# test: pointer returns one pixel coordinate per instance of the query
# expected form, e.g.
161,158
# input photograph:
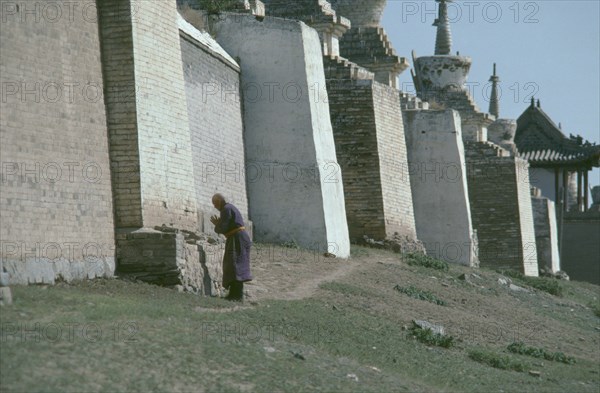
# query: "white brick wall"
215,113
530,256
395,181
167,179
55,185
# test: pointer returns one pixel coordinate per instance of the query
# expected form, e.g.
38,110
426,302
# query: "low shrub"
495,360
522,349
426,336
417,293
426,261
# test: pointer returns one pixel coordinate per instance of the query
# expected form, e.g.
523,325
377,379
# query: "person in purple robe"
236,260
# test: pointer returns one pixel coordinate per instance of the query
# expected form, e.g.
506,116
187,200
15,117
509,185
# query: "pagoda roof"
542,142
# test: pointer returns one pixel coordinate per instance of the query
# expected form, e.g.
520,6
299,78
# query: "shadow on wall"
580,253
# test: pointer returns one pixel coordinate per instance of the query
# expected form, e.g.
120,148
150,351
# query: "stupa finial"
443,39
494,101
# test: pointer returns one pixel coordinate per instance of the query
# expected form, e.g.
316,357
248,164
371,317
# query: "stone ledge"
172,257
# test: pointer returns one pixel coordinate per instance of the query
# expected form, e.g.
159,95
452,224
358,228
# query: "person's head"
218,201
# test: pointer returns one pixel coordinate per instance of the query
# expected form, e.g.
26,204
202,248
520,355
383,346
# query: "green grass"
426,336
495,360
546,284
290,244
348,289
522,349
426,261
131,336
417,293
360,251
163,344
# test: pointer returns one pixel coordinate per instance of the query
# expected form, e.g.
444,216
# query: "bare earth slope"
310,324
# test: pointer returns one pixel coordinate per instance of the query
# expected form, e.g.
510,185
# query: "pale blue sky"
548,47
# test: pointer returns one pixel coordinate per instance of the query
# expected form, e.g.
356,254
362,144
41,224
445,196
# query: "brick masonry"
501,208
120,98
371,150
474,123
148,122
439,185
370,48
397,196
129,117
318,14
167,179
295,191
215,116
498,185
55,199
151,149
546,234
360,12
172,258
144,36
353,120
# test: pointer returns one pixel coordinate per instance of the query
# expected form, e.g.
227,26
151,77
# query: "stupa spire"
494,101
443,39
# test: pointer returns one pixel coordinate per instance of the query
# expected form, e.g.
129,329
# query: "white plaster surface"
546,233
439,184
555,254
295,189
443,71
166,170
204,38
530,252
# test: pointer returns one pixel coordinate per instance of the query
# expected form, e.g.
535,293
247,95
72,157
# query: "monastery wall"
391,149
148,126
151,147
546,233
580,254
526,218
371,149
296,192
119,125
55,201
438,179
501,208
354,124
213,92
168,195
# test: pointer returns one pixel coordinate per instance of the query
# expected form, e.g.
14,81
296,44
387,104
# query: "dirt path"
292,274
308,287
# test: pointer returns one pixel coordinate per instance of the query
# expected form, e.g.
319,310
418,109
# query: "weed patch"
417,293
426,336
546,284
495,360
346,289
290,244
522,349
426,261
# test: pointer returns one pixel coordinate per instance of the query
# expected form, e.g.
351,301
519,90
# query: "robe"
236,260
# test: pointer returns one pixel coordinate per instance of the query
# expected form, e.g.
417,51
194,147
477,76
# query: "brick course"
371,150
168,195
55,199
501,208
214,108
